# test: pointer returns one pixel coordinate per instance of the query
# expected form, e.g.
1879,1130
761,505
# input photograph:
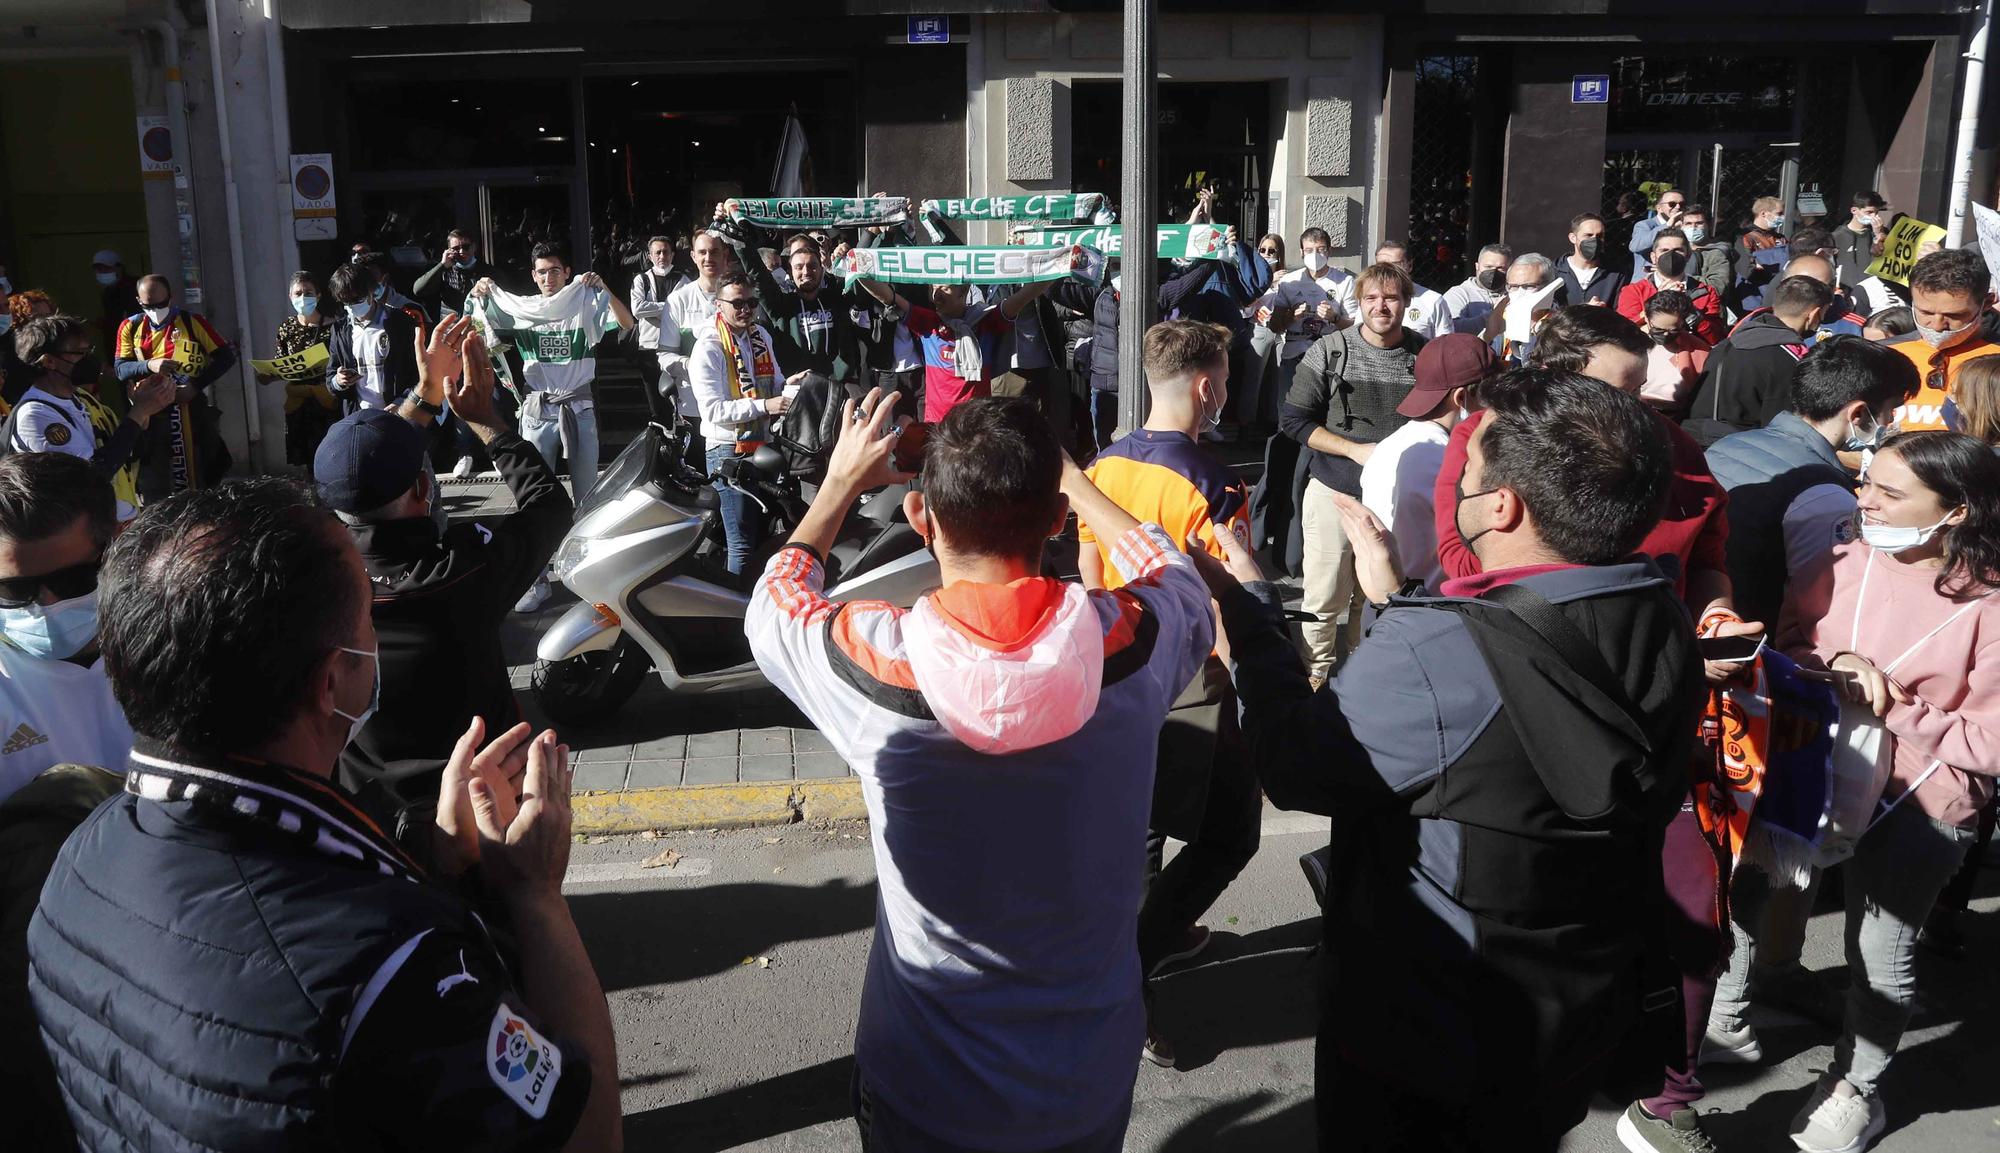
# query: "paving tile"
671,748
603,776
709,771
716,744
599,754
810,766
654,775
776,767
759,742
810,741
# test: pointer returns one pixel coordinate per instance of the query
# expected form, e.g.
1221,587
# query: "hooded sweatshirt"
1005,737
1749,380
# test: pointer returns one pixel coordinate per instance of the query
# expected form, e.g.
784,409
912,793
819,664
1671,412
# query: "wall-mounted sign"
313,207
1590,90
928,30
156,148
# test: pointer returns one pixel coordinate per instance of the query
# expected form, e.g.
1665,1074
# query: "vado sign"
1902,248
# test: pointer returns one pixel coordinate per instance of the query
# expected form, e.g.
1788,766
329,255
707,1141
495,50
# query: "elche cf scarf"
959,264
1174,241
1051,206
823,211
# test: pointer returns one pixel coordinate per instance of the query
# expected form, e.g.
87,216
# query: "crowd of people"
1582,550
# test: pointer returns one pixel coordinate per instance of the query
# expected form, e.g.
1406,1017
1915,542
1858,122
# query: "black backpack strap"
1561,634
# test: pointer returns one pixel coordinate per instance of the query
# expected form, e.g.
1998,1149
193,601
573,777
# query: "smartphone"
908,454
1730,650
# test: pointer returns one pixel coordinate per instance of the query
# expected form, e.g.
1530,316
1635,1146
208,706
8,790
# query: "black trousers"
659,409
1205,793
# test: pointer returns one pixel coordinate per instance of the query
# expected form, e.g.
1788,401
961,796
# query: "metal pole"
1137,213
1968,130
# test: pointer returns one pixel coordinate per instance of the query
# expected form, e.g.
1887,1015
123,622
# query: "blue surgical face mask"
360,310
6,321
1858,442
305,305
381,292
52,632
462,265
355,723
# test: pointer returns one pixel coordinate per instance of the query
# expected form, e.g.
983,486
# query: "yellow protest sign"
1902,247
296,366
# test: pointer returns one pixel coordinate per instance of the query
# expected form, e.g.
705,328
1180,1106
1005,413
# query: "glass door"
514,218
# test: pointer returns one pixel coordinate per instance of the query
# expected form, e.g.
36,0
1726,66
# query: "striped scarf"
763,366
293,804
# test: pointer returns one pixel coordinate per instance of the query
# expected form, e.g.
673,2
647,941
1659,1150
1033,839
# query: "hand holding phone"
1730,650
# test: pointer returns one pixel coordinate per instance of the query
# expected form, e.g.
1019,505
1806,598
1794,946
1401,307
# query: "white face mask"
1695,233
158,316
1316,262
357,721
1896,538
1945,337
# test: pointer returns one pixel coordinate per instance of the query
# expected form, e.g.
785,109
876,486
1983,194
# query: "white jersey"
1427,315
54,713
1302,292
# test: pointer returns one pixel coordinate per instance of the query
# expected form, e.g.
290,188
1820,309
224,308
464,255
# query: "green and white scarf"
824,211
1176,241
1052,206
958,264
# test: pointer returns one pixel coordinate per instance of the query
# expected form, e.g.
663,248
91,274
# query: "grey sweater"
1349,387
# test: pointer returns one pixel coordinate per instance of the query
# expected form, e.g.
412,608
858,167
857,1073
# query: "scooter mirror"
768,461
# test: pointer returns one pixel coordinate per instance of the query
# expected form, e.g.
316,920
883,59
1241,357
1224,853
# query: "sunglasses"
743,305
64,584
1267,252
1670,203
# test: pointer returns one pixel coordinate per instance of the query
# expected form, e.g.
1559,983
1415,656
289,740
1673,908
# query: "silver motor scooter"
646,558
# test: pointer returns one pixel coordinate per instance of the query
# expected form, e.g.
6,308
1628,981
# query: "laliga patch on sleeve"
522,1062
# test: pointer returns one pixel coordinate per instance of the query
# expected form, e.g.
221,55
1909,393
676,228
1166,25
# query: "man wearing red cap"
1396,482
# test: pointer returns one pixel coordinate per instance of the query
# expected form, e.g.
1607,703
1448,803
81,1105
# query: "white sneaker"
1838,1120
463,470
1724,1046
537,595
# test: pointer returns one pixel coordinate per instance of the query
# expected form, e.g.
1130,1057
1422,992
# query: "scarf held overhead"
1174,241
957,264
1054,206
824,211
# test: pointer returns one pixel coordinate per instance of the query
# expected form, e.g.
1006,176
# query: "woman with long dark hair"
1903,618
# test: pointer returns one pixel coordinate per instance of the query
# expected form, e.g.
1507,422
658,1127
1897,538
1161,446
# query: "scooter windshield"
633,468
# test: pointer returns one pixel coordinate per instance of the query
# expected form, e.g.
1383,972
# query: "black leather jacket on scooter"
440,602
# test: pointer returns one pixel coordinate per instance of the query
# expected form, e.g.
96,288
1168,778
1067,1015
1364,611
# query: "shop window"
420,122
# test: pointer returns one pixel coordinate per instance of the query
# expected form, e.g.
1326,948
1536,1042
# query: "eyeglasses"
64,584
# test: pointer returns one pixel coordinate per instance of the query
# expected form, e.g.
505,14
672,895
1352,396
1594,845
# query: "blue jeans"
742,520
549,439
1103,418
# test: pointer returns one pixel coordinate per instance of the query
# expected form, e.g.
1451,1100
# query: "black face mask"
1588,249
1458,491
1660,337
1671,263
86,369
1493,279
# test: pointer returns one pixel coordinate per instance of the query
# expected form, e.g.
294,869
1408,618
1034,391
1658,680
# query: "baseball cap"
106,257
368,460
1450,361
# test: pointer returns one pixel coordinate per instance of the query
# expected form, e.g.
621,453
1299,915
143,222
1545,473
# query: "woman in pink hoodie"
1905,619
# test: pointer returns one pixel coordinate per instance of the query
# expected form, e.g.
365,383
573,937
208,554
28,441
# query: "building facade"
1450,122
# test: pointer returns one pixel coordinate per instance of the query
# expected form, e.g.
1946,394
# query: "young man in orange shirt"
1204,792
1951,293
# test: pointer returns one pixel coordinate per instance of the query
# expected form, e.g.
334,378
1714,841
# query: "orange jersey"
1165,478
1937,371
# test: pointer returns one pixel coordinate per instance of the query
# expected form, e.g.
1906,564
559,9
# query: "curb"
731,806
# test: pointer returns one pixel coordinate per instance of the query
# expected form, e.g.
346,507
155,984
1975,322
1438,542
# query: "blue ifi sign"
1590,90
929,30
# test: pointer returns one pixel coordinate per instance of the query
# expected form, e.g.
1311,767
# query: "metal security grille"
1441,169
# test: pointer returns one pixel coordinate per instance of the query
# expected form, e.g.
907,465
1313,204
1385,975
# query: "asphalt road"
734,977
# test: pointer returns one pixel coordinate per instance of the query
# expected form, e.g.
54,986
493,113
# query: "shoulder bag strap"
1559,633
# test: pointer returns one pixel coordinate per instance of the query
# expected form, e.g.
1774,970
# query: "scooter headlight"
571,553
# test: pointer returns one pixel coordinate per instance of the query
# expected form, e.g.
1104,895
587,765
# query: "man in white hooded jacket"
1004,731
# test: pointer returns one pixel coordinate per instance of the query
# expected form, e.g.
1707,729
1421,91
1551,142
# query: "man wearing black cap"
440,593
1396,482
